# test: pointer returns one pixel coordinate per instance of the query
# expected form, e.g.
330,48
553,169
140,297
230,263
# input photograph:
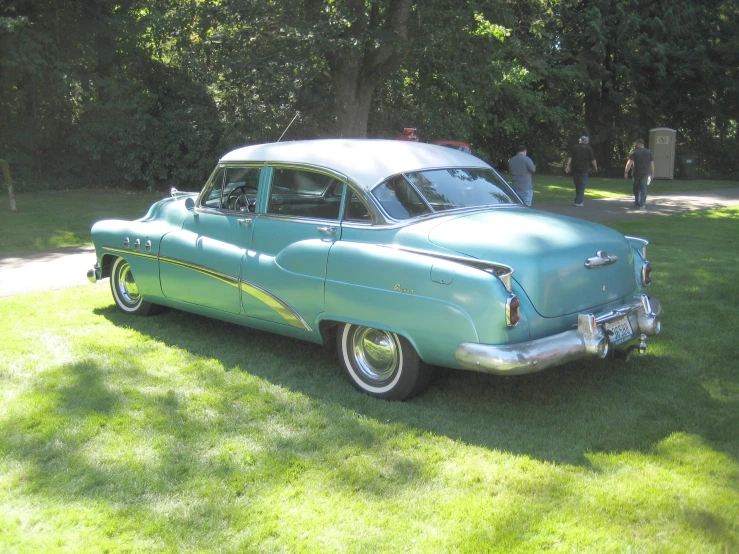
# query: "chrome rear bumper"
590,339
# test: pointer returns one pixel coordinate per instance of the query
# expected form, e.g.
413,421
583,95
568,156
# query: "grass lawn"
63,218
177,433
56,219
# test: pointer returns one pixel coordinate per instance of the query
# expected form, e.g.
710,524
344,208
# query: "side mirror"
189,204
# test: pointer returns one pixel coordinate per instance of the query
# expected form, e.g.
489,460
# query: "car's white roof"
364,161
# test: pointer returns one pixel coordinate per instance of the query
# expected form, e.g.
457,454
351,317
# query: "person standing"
521,168
641,164
579,162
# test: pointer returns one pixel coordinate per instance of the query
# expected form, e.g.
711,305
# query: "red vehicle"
457,145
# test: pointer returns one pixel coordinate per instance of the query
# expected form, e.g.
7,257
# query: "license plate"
619,330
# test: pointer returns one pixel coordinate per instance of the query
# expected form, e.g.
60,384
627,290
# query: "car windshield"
412,194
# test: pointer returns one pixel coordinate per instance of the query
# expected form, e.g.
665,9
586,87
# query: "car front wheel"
381,363
126,292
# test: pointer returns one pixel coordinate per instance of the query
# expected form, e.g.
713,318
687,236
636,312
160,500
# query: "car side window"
399,199
240,187
303,193
232,188
355,209
214,189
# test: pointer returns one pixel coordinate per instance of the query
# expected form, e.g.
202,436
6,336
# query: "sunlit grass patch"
57,219
180,433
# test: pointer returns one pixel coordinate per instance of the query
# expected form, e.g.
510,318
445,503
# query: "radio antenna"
288,126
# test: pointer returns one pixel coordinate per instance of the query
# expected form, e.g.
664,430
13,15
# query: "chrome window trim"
307,167
501,271
297,219
224,213
350,188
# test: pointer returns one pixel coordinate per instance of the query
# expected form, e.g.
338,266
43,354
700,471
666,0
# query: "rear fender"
436,304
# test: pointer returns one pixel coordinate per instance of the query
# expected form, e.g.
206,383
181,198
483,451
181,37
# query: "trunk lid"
548,253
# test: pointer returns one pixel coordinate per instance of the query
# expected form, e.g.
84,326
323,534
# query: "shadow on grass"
113,430
211,427
559,415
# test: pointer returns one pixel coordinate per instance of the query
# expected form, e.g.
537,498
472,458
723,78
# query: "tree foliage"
141,93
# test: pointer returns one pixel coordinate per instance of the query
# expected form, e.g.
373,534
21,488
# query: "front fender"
135,241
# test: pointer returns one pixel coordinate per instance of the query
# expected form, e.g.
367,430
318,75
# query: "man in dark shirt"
579,161
641,162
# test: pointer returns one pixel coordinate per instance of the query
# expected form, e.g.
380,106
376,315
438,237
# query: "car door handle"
331,230
245,221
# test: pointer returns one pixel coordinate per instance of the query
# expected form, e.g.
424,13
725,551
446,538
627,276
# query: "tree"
364,42
86,103
274,49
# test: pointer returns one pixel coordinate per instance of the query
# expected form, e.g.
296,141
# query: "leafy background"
149,93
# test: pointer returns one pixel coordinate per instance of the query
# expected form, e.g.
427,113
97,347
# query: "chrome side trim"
588,340
501,271
220,276
640,244
279,306
130,252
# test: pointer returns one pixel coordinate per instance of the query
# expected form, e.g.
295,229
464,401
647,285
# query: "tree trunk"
353,100
380,44
8,183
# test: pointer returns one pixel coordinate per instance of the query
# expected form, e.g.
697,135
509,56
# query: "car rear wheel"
381,363
126,292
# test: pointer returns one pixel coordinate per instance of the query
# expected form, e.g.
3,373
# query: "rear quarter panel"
436,304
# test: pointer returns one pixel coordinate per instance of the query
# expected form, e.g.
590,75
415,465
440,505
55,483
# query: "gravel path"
622,209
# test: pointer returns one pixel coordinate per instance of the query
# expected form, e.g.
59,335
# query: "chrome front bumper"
95,274
590,339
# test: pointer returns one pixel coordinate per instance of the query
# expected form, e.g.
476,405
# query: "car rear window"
418,193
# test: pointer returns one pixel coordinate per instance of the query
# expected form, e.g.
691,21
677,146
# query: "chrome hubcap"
376,353
127,288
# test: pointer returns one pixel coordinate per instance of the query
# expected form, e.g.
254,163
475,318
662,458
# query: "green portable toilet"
662,144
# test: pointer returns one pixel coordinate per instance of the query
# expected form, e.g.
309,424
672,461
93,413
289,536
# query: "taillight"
646,274
512,316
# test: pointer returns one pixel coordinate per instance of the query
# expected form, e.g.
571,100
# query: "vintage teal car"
407,255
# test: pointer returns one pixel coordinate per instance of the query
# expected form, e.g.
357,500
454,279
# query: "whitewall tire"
380,363
125,291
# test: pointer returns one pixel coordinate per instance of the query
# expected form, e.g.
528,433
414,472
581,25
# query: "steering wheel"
238,200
